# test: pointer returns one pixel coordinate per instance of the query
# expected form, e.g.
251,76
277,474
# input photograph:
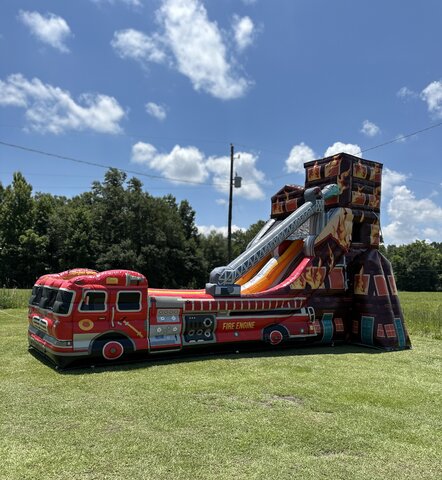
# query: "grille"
40,323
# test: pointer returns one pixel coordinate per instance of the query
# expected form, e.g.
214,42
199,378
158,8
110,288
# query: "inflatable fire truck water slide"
313,273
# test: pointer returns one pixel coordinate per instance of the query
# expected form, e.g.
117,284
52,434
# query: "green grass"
14,298
423,313
316,413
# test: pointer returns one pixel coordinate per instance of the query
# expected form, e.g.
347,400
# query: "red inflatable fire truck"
109,314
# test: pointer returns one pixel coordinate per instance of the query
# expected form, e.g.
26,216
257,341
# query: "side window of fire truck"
129,301
94,301
62,302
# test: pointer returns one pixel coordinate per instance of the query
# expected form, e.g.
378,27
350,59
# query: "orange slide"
272,270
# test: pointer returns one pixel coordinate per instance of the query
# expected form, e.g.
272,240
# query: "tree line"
119,225
114,225
417,266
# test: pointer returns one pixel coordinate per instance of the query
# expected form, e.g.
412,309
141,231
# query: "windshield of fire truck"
47,298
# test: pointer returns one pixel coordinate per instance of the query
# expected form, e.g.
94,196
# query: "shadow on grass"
142,360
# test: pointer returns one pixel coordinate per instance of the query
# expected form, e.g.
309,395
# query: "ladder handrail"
314,203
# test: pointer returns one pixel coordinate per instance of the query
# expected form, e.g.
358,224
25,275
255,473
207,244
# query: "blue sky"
162,87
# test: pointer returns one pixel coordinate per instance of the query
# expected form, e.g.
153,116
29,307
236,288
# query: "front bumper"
59,351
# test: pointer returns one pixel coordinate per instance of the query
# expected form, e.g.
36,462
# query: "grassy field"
316,413
14,298
422,310
423,313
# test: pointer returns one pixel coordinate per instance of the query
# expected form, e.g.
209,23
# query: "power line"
100,165
162,177
402,137
389,142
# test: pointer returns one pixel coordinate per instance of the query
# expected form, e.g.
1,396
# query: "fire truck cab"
81,312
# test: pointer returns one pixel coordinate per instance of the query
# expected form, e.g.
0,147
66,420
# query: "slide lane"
304,262
253,271
273,270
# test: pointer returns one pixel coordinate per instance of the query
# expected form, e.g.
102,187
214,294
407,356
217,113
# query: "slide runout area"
273,270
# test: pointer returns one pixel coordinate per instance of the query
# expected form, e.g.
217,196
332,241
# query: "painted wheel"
112,350
275,335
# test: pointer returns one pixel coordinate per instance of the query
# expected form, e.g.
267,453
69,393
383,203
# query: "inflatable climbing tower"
358,299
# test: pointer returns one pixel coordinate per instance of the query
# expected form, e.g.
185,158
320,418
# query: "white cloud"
130,3
339,147
370,129
191,165
249,2
406,93
432,94
183,163
199,50
207,229
245,165
396,233
299,154
192,44
400,138
404,205
138,46
412,218
51,109
244,31
221,201
390,179
431,233
156,111
49,28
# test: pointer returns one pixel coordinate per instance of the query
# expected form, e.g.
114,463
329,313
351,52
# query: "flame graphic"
332,167
375,173
359,170
341,234
375,199
374,234
314,173
277,208
314,276
331,257
341,181
358,196
299,283
361,282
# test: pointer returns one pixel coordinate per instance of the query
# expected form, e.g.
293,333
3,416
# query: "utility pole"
229,227
234,182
